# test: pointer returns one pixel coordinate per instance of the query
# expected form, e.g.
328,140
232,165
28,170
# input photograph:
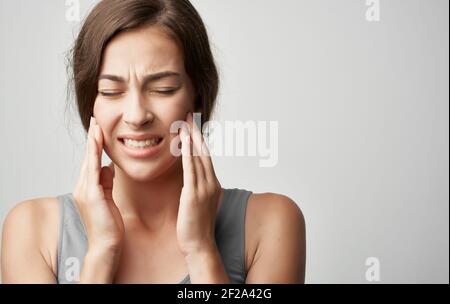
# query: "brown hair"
109,17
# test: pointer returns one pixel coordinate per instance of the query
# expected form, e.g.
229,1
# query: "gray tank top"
229,234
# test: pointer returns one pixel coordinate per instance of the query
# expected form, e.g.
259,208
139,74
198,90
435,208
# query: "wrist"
104,250
100,265
202,254
104,256
205,266
203,249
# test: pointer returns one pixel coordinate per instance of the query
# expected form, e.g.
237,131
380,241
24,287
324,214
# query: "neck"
154,204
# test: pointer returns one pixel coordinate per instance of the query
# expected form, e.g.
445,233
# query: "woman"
152,216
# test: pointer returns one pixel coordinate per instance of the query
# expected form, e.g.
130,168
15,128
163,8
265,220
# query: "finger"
84,161
87,160
199,170
106,181
196,149
204,156
98,133
93,165
195,134
99,139
210,174
208,165
188,165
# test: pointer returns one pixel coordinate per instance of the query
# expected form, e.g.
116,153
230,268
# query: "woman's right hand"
93,195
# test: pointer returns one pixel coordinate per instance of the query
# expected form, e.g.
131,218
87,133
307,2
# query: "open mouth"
143,149
141,144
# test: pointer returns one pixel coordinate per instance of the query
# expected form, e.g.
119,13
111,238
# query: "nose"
136,112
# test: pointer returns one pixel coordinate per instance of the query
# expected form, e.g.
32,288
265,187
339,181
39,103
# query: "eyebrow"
146,80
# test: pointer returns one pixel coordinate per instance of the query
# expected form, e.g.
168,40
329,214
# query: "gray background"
362,110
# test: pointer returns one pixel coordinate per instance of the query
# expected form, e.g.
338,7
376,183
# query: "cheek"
185,98
174,110
105,117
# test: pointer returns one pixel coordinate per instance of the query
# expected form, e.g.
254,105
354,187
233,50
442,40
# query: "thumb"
106,181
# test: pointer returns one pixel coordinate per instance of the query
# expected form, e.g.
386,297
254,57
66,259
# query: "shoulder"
276,231
31,226
33,214
274,208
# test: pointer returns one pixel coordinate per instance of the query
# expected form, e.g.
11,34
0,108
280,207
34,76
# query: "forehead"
145,50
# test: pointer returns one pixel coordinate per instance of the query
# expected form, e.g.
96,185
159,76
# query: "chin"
142,175
145,172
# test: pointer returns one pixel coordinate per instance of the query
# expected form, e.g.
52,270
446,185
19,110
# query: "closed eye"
110,94
164,91
167,91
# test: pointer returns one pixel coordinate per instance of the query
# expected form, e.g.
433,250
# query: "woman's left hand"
200,196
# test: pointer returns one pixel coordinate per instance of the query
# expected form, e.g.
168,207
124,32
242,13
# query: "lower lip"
141,152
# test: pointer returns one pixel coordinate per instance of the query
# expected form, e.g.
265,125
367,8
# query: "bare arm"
280,256
22,257
25,247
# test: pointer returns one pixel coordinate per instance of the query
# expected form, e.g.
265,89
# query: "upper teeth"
140,143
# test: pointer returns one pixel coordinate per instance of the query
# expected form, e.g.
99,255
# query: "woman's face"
142,89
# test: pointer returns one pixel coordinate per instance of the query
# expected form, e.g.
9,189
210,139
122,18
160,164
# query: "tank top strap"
72,243
229,234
